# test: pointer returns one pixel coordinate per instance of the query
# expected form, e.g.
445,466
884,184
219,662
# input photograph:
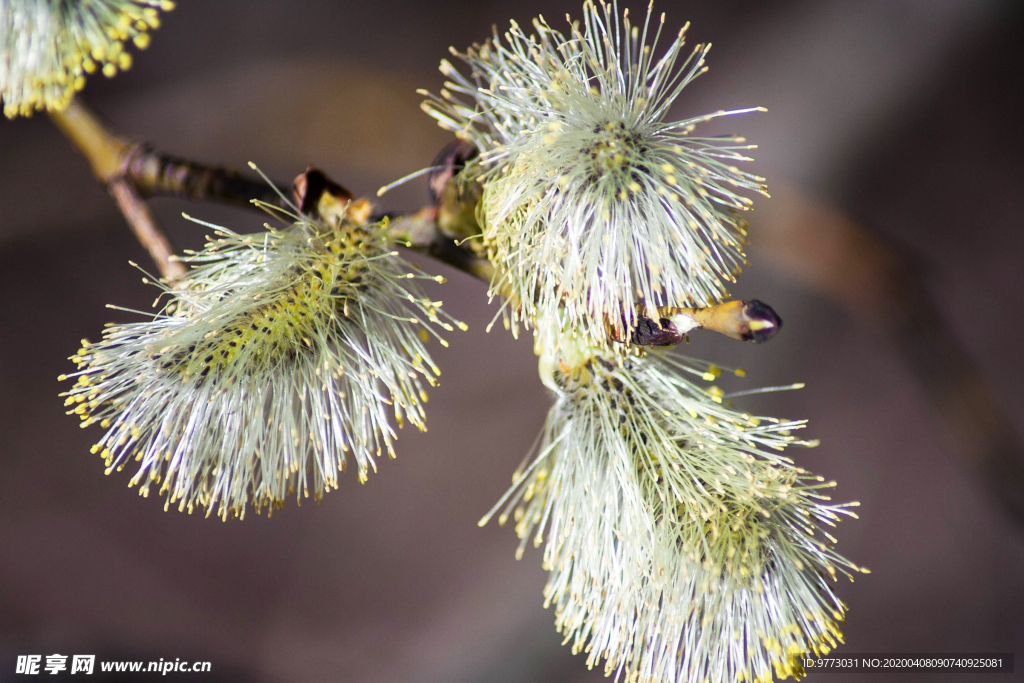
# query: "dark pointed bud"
455,195
751,320
650,333
447,164
311,185
758,321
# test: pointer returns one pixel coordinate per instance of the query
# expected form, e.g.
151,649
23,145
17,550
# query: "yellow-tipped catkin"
594,203
282,357
48,47
681,544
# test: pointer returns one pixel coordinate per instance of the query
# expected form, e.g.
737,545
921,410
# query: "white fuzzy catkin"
593,202
682,545
48,47
277,361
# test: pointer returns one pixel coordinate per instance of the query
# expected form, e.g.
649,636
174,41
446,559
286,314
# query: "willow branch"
106,154
420,231
130,171
158,174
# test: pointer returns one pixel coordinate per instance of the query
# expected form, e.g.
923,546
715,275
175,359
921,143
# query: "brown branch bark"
157,174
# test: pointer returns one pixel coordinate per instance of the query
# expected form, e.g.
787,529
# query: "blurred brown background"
901,118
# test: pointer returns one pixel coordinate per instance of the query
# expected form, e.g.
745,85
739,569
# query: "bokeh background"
892,247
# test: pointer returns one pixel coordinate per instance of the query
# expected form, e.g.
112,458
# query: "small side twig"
140,218
106,153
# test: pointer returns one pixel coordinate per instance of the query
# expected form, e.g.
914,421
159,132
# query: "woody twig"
132,171
106,154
